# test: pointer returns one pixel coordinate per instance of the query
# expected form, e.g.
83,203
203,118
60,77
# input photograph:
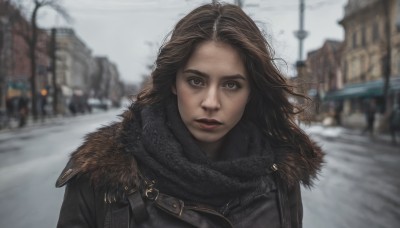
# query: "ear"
249,97
173,88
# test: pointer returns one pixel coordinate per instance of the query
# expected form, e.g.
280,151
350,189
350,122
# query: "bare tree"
38,4
388,57
30,35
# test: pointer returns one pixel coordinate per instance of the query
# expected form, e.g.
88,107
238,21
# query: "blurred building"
81,76
364,60
106,84
74,67
78,75
345,77
325,73
15,66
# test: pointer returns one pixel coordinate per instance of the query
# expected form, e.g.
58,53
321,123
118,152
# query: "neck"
211,149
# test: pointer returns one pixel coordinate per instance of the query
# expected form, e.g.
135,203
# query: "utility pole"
54,69
239,3
387,61
32,56
301,34
4,51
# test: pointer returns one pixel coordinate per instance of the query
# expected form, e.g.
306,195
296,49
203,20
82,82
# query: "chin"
207,139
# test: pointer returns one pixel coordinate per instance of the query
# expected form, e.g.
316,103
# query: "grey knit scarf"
170,156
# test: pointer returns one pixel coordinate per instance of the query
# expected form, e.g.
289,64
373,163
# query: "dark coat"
105,189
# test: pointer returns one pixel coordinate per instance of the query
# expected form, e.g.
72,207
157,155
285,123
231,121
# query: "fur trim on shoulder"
104,158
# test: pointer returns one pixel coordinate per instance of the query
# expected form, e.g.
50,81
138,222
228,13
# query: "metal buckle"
274,167
151,193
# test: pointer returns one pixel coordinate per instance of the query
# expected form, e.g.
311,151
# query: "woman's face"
212,91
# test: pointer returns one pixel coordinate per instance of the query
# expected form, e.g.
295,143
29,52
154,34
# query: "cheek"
237,108
244,98
185,101
182,93
241,110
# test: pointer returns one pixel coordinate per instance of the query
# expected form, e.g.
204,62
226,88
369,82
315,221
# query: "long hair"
269,104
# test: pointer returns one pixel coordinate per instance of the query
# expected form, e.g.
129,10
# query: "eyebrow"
234,76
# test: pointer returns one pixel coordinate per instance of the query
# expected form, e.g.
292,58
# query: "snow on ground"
325,131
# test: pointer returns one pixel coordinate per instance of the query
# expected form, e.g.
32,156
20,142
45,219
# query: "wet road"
359,186
30,161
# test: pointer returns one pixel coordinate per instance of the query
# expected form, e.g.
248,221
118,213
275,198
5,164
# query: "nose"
211,101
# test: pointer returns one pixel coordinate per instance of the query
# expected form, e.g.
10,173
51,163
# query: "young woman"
212,142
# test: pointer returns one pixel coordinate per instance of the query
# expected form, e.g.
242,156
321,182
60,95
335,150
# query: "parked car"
95,103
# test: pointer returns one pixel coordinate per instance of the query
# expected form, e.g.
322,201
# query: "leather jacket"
84,206
104,190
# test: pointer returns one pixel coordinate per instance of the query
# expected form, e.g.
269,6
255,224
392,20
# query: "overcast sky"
129,32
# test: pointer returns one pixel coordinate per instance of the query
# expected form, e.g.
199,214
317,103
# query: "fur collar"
104,157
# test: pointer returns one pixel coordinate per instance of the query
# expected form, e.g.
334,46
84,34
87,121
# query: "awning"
364,90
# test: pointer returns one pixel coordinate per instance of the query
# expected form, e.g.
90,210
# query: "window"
375,65
398,16
355,69
363,37
1,39
354,39
346,68
375,32
398,62
363,69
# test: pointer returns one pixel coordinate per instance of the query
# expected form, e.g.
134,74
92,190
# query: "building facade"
81,76
74,68
324,69
15,64
370,56
76,74
74,61
106,84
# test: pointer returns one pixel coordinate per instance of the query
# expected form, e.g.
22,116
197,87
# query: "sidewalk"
12,124
354,135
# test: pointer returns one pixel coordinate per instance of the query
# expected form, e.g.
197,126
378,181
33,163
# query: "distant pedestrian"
12,107
370,110
9,107
338,113
23,103
43,105
394,122
74,105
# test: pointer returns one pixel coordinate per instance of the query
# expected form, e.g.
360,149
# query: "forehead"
214,58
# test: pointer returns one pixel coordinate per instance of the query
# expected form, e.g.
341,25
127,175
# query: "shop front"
356,97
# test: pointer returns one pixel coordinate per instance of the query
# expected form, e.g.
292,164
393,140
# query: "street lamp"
54,69
4,46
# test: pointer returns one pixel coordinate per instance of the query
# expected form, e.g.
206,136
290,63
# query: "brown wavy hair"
269,104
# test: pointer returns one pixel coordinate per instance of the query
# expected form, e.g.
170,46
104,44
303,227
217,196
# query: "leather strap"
191,214
138,207
283,211
119,217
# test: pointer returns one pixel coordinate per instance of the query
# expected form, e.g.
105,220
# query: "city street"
359,186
